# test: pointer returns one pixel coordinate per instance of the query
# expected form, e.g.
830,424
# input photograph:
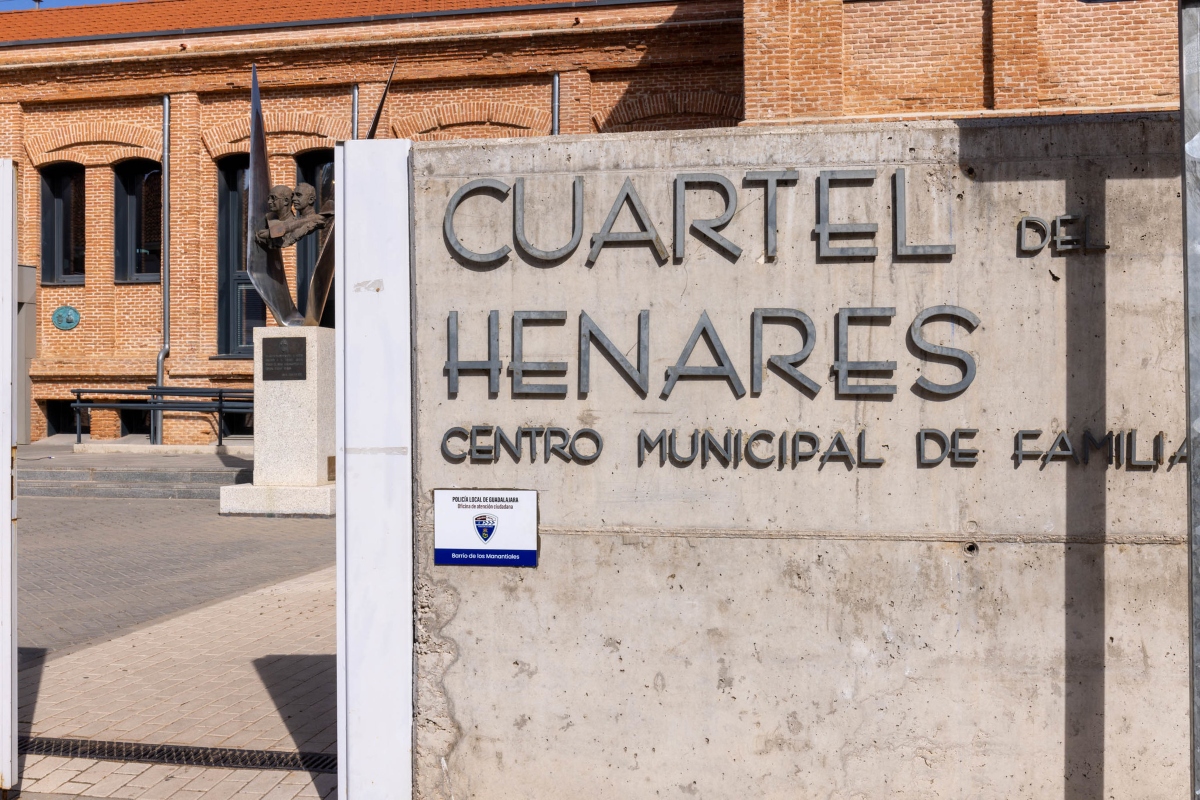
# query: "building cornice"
565,5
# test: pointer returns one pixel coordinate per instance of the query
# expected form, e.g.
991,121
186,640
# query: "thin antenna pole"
382,100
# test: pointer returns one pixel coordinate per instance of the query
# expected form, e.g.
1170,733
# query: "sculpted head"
279,202
305,199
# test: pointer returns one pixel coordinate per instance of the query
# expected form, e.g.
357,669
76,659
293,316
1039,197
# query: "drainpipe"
156,427
554,105
354,112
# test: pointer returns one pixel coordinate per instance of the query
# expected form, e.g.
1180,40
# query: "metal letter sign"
1189,67
484,528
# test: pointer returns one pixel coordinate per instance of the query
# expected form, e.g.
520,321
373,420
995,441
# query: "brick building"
82,104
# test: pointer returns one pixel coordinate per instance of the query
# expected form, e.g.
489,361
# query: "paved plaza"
160,622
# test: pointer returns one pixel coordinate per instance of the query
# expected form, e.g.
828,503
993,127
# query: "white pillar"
374,471
8,537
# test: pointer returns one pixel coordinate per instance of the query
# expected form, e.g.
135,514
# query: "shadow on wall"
304,690
704,89
1051,149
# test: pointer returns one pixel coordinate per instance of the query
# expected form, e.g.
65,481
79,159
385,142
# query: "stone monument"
294,366
293,426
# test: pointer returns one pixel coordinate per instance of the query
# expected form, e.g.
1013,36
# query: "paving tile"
164,789
263,782
74,788
232,786
127,792
97,771
37,767
153,776
131,768
109,784
282,791
52,781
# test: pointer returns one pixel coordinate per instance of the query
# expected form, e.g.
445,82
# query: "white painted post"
374,470
8,537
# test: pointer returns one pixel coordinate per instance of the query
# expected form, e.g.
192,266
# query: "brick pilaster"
1014,67
106,424
768,59
794,59
817,57
193,236
575,102
102,315
11,131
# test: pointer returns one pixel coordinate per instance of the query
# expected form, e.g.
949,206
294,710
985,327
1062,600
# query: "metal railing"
204,401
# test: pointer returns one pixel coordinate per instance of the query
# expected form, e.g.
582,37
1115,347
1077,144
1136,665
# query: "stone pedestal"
294,441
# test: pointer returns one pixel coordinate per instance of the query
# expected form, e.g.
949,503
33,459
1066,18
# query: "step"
135,476
161,491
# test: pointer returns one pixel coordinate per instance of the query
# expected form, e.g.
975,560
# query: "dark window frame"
233,281
129,237
64,223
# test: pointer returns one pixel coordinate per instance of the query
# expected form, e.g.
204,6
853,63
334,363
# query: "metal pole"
1189,101
156,417
554,105
354,112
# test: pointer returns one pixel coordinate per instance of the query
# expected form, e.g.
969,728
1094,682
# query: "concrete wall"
986,630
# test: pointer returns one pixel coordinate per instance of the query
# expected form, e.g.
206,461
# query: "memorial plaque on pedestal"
283,359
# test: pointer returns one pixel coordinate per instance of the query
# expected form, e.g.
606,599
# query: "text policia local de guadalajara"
854,378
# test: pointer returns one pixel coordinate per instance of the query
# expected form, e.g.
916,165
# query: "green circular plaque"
65,318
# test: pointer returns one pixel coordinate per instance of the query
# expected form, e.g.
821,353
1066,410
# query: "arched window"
63,203
137,221
316,169
239,308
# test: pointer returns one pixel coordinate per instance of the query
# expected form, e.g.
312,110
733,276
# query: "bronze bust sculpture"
270,215
287,225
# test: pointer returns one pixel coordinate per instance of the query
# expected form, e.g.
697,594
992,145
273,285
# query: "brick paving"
90,569
158,621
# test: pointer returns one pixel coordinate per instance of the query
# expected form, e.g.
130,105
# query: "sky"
20,5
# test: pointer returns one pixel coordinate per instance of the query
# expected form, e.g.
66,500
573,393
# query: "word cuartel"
486,444
1066,232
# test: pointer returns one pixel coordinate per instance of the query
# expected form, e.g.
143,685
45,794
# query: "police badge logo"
485,526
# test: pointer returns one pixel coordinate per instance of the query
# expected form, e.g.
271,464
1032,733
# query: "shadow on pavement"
304,690
30,661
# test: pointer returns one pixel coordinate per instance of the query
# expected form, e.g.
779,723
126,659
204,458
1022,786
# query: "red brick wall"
1014,54
475,76
860,58
1105,54
470,109
906,55
817,47
666,99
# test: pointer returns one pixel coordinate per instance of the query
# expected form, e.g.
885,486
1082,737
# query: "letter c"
447,453
490,185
